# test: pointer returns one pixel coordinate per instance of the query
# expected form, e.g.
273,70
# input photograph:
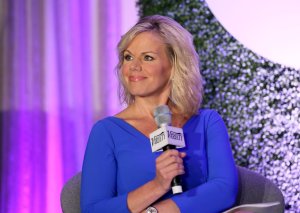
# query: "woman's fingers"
168,161
168,165
172,170
167,154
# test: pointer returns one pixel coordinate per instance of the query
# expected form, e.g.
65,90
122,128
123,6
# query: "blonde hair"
186,81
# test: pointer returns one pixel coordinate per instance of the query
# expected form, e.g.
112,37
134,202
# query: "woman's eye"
128,57
148,58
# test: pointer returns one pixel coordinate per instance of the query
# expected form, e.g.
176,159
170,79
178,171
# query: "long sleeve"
99,174
219,191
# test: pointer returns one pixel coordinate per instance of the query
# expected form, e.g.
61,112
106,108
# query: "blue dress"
118,159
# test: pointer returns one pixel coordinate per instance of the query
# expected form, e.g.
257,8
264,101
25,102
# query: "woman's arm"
220,190
99,172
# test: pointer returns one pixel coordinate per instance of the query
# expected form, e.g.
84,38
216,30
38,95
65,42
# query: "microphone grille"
162,115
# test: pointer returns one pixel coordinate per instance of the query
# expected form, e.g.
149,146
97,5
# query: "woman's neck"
146,106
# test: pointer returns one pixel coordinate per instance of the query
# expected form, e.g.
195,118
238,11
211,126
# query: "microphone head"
162,115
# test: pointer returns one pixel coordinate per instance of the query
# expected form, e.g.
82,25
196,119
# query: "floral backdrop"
258,99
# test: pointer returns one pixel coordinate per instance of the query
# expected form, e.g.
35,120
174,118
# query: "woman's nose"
135,66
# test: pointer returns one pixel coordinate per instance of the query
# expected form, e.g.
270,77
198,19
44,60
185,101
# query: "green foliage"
259,100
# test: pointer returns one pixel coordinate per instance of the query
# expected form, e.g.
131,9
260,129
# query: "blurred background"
57,78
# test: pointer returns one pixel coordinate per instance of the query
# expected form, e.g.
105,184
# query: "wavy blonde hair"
186,81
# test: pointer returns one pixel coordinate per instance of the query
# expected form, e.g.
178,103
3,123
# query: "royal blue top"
118,159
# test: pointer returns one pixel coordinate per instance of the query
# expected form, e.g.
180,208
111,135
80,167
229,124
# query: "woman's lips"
136,78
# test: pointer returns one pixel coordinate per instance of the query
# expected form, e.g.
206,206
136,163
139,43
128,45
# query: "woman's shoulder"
108,119
204,120
208,116
100,124
106,123
205,112
112,122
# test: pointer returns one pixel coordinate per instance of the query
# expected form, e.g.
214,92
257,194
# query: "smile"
136,78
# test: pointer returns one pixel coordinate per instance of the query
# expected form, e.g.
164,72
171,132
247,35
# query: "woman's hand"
168,165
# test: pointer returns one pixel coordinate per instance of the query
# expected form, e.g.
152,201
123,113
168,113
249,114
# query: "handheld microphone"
167,137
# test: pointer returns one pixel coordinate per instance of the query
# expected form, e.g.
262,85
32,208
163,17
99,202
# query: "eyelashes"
148,58
128,57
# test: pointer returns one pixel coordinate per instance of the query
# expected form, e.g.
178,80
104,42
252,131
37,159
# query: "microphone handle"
176,182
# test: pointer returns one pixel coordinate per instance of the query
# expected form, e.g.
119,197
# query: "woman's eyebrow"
149,52
143,53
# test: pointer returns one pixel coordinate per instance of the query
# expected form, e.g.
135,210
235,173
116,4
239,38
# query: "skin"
146,71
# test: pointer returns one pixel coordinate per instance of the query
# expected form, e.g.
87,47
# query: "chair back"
255,188
70,195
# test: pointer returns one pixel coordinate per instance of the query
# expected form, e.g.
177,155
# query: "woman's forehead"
147,42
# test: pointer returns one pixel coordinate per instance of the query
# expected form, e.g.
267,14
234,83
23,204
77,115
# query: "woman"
158,65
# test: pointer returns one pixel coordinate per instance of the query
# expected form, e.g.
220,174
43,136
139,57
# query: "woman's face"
146,68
